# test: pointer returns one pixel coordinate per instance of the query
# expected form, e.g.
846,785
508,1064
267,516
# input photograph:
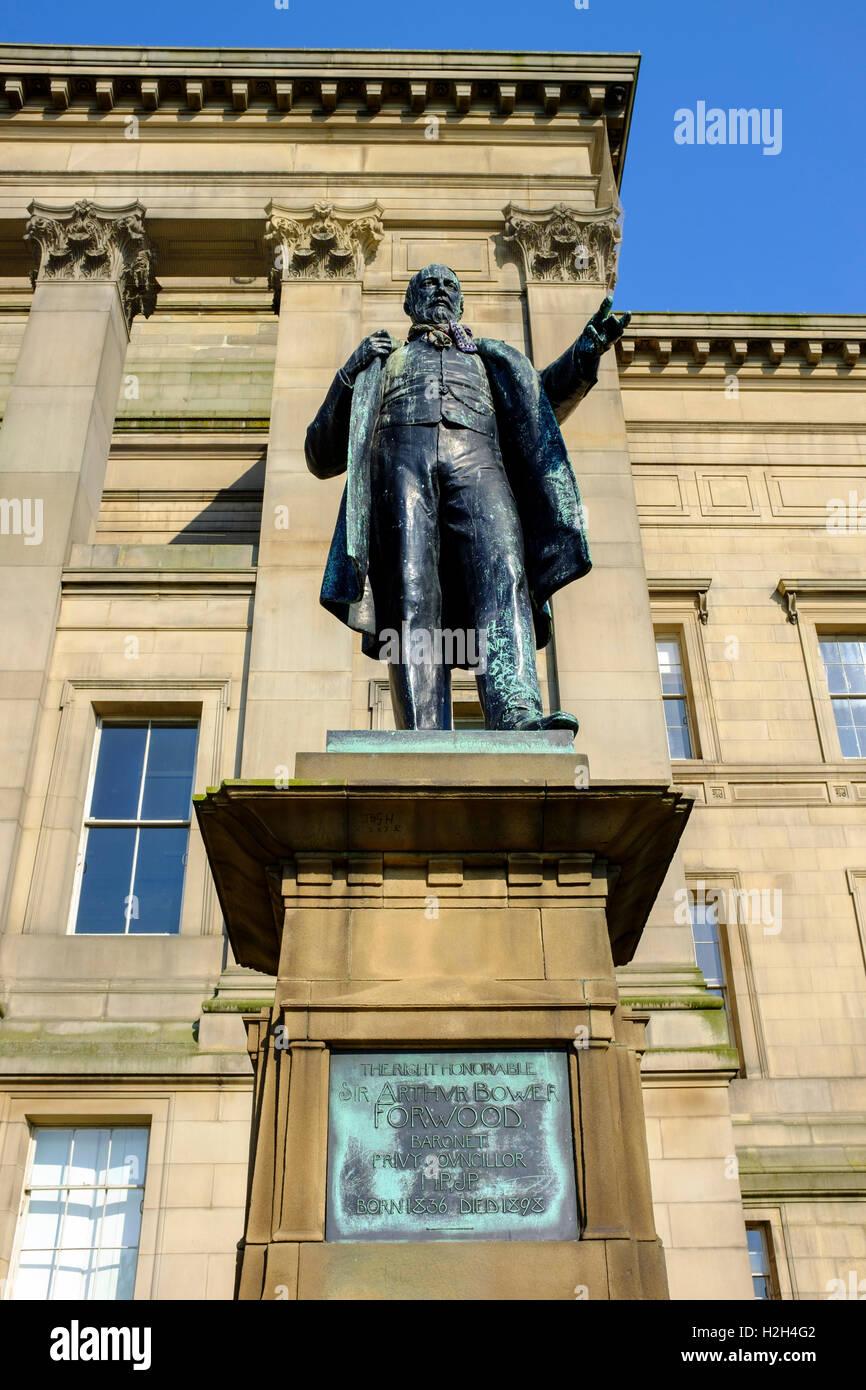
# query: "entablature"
236,86
742,345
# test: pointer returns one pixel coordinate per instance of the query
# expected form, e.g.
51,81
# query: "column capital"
85,241
320,242
566,244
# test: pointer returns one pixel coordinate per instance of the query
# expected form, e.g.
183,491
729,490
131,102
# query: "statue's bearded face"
434,296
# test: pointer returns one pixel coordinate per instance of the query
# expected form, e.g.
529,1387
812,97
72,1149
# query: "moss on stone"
235,1006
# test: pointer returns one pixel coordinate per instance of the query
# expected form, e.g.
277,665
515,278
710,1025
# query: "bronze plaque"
450,1146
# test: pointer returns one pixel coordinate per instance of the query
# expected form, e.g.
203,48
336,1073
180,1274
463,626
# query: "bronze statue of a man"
461,513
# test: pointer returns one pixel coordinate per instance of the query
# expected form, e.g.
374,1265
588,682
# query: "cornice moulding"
726,346
249,83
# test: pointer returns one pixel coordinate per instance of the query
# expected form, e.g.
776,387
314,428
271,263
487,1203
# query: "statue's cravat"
456,335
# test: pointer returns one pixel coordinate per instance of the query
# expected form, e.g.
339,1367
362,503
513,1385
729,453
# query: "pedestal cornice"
251,828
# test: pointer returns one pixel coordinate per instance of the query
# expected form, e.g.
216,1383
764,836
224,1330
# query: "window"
705,934
136,828
680,740
706,912
763,1265
844,660
82,1214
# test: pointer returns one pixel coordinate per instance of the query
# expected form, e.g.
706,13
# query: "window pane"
710,962
42,1226
679,743
759,1261
81,1221
89,1157
158,886
168,780
34,1277
755,1240
71,1275
830,651
128,1157
845,665
670,666
106,877
850,724
117,782
51,1156
121,1222
115,1275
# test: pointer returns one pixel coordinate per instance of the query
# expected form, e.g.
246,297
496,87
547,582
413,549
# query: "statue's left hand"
603,329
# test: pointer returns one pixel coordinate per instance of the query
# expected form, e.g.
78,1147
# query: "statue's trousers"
446,537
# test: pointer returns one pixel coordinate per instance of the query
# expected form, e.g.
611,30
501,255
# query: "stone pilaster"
301,657
94,272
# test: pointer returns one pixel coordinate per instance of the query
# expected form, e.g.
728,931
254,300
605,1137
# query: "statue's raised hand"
377,345
603,329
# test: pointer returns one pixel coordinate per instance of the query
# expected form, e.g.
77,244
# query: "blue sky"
707,227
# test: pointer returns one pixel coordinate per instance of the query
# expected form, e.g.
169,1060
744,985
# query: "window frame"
742,1001
774,1219
820,609
857,634
772,1273
85,1104
674,633
67,1188
88,822
207,700
680,607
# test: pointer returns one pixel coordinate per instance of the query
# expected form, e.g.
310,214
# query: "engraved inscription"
451,1146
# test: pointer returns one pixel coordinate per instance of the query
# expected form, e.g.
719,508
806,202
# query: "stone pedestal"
416,908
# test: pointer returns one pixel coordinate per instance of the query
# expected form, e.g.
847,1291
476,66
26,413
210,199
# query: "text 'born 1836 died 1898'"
451,1146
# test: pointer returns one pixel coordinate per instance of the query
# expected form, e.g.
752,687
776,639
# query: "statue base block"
447,1068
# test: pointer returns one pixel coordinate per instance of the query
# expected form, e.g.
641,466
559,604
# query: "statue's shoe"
558,720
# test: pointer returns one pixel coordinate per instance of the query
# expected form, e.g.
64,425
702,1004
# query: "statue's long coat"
529,405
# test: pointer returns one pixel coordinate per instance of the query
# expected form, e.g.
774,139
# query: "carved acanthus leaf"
322,244
88,242
564,244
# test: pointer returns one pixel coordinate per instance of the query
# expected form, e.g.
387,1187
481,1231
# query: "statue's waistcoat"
424,385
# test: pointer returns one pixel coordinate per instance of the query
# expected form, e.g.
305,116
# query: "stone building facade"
191,243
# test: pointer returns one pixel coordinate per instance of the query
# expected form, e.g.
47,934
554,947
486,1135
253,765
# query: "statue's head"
433,295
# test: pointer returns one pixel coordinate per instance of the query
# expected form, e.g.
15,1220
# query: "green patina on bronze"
461,513
451,1146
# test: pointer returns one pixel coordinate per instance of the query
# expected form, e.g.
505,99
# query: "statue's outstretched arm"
567,380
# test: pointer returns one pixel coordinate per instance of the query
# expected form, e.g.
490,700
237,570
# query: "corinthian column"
300,677
94,272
